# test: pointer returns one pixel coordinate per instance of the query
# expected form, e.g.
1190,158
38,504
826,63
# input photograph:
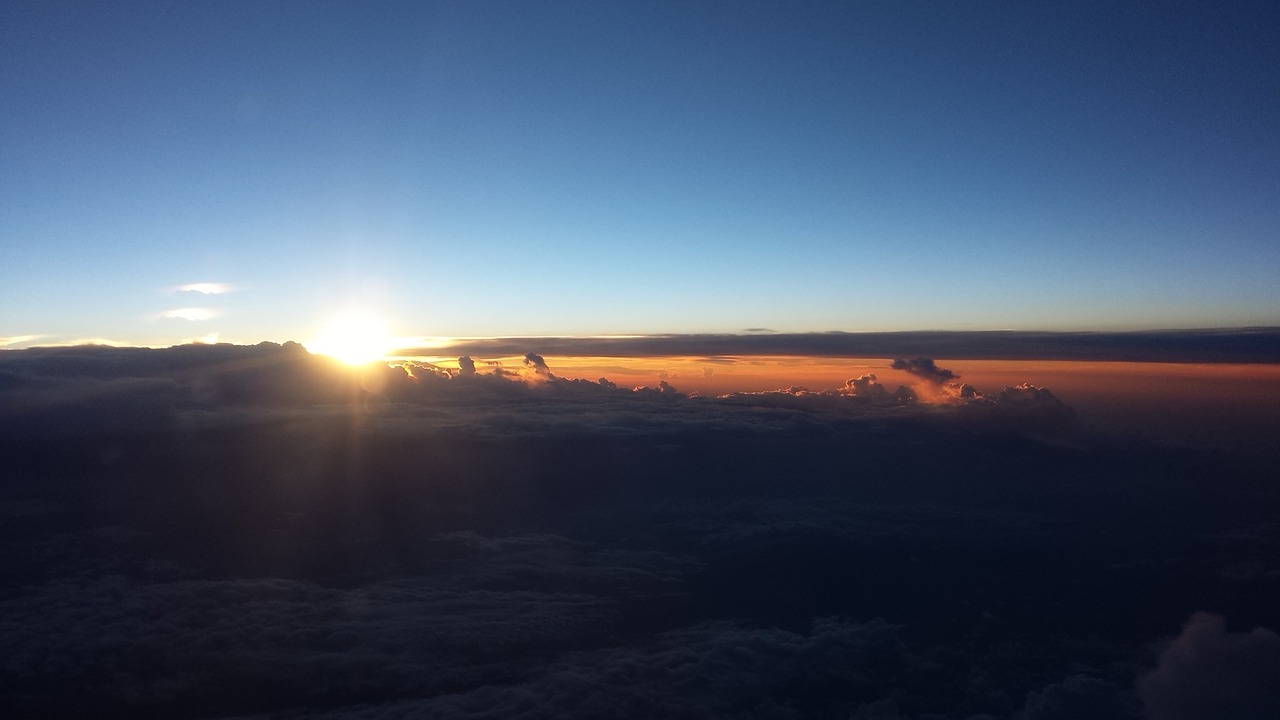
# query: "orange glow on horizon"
1115,395
703,375
752,373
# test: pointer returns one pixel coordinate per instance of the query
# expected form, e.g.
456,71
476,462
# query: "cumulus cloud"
1209,673
868,387
936,385
1022,405
1034,405
1031,402
466,365
865,386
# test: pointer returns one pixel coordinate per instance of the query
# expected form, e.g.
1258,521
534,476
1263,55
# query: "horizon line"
1248,344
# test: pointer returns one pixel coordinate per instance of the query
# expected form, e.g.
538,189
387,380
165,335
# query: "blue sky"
582,168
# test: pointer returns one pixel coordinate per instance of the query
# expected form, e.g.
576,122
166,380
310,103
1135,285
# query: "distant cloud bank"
88,389
1239,345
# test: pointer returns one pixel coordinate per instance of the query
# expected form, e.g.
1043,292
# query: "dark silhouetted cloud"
1081,697
925,369
534,362
466,365
1209,673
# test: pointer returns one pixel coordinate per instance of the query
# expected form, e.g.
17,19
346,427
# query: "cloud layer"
85,390
1243,345
226,531
1208,672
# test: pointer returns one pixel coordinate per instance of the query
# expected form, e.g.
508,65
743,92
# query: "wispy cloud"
18,340
189,313
204,288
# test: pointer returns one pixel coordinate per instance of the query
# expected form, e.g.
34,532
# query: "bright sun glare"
353,338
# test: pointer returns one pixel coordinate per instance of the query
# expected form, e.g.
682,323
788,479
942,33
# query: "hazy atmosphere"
863,361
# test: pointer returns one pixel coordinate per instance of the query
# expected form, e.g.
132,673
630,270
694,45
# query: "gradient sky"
577,168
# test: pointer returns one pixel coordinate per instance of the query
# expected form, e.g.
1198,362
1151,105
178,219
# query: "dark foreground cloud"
258,532
1080,697
1208,673
708,670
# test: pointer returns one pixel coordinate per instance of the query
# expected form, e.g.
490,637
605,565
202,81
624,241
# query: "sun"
355,338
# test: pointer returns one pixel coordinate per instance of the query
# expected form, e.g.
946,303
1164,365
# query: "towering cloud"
534,362
466,366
